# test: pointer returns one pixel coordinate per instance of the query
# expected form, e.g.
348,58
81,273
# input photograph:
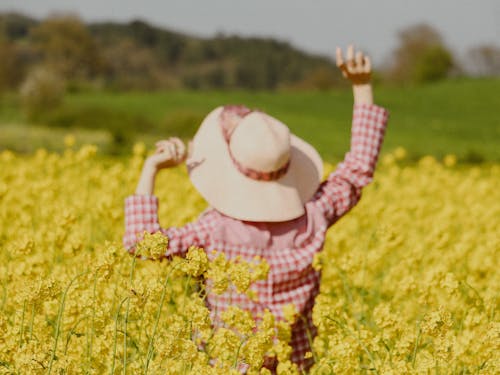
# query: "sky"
316,26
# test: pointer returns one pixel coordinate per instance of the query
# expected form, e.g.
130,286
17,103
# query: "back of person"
268,201
289,248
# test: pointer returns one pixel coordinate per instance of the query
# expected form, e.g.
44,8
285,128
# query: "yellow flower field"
410,277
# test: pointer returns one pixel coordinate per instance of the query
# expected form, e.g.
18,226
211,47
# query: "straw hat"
248,166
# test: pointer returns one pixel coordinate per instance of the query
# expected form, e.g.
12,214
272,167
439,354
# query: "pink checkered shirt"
288,247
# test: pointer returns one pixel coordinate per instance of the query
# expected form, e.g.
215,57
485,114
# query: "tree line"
137,55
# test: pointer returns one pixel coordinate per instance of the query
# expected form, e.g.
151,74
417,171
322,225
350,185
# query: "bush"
322,78
11,68
43,90
182,123
421,56
122,126
433,65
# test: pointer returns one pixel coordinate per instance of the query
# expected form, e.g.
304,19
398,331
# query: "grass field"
453,117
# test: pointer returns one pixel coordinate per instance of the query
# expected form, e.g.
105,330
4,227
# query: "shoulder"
211,219
315,211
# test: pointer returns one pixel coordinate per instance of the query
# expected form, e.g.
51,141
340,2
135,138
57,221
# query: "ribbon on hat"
230,116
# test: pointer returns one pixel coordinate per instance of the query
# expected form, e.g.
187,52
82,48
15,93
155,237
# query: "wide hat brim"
228,190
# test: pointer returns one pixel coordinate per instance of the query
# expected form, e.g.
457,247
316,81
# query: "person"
266,198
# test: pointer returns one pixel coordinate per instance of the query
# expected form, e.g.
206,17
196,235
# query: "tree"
433,64
132,66
16,26
322,78
10,69
42,90
421,56
484,60
67,47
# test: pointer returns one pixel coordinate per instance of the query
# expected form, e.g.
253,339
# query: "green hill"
138,55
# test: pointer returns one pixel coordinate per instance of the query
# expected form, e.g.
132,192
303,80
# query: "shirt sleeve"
342,189
141,214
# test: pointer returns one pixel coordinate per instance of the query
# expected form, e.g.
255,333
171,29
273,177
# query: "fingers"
339,58
350,55
162,146
340,62
356,61
161,143
180,148
359,59
368,64
350,63
174,146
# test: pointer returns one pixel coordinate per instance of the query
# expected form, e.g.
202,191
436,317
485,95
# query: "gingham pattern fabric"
288,247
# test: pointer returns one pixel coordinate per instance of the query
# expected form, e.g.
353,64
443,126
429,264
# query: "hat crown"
261,143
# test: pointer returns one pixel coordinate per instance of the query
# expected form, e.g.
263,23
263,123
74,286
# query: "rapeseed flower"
410,281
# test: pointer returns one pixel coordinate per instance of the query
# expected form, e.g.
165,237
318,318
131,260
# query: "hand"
357,68
169,153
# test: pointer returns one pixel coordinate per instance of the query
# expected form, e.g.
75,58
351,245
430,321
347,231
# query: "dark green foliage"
95,117
421,56
67,47
141,56
122,126
11,71
42,91
16,26
434,64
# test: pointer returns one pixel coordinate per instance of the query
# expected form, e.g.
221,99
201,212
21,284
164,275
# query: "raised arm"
357,69
141,209
342,189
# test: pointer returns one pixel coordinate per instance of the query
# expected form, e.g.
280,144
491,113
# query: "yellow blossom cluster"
410,277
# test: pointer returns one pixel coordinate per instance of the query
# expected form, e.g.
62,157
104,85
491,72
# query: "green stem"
32,319
348,293
22,325
417,341
125,337
158,313
70,333
116,283
186,291
92,324
475,292
4,364
141,329
359,342
309,338
126,319
235,362
116,333
4,296
59,319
